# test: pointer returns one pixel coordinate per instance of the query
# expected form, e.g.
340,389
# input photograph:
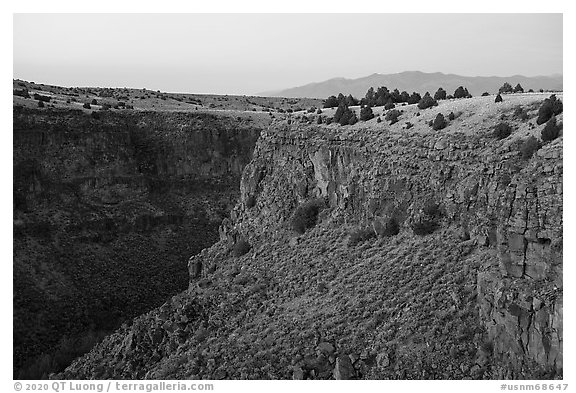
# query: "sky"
254,53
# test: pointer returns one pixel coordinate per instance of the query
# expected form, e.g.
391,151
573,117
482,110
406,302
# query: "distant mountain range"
420,82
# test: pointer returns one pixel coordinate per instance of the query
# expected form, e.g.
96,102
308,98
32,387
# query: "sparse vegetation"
393,116
366,113
502,130
529,147
388,229
21,93
520,113
40,97
440,94
360,235
439,122
462,92
250,201
345,116
424,226
550,107
427,102
306,215
506,88
241,247
551,131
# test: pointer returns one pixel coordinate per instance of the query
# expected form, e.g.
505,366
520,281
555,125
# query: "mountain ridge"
417,81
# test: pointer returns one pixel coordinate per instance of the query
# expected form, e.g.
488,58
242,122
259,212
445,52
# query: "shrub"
353,119
240,248
506,88
41,97
319,111
424,226
378,120
360,235
40,104
306,214
518,89
485,94
250,201
502,130
351,101
389,106
339,112
551,131
432,209
94,102
461,92
409,125
440,94
550,107
366,113
529,146
520,113
86,105
392,116
414,98
451,116
319,120
439,122
388,229
427,102
21,93
498,98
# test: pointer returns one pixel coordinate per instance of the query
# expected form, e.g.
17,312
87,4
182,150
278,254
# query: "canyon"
479,296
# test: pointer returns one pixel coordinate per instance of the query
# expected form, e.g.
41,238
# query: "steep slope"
107,210
420,82
479,297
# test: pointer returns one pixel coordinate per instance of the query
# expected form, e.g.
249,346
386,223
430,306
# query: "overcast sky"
252,53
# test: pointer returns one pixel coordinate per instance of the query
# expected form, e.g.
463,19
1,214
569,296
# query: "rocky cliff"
477,296
107,209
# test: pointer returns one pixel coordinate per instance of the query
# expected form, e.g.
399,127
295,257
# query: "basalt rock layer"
478,296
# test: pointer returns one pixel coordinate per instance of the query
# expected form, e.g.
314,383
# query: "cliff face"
485,188
480,297
107,209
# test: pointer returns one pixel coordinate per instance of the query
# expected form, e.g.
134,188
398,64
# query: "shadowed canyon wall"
107,210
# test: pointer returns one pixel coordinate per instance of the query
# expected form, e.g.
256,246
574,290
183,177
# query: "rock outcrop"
483,187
